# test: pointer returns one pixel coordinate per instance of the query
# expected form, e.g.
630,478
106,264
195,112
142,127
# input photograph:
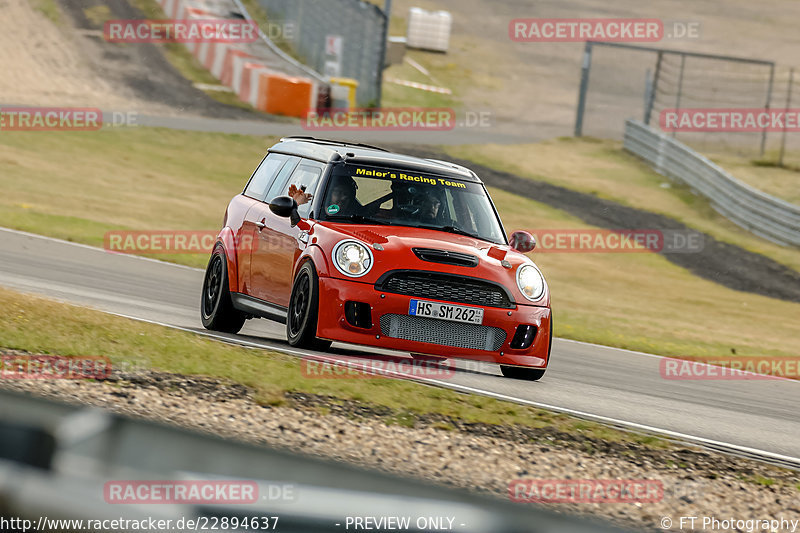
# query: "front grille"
446,257
448,288
442,332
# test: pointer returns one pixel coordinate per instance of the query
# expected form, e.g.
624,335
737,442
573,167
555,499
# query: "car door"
271,169
278,243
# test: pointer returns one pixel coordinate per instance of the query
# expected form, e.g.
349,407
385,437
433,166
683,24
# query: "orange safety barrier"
227,67
284,95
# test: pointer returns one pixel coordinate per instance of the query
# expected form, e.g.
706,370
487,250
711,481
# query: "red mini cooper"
353,243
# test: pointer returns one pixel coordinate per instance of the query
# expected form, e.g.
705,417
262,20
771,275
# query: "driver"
431,206
342,197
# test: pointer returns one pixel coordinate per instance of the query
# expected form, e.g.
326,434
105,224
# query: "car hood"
495,262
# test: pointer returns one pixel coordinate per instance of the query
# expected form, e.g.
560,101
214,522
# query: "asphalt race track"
615,385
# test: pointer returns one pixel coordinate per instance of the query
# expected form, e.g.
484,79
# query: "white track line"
96,249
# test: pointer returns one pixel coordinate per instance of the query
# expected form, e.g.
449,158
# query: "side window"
263,176
308,174
280,186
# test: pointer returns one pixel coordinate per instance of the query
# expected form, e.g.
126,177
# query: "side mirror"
522,241
283,206
286,207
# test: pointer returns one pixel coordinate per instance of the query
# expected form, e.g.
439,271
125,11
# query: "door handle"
261,225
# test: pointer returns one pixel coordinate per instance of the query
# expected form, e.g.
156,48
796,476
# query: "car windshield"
372,195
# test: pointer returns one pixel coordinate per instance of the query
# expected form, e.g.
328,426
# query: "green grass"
42,326
155,179
48,8
97,15
764,481
444,72
123,179
764,174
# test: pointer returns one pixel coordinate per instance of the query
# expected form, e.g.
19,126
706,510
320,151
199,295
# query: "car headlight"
352,258
530,282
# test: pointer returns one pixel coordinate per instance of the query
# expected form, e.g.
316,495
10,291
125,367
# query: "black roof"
328,150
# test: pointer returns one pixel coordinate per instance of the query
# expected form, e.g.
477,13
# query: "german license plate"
455,313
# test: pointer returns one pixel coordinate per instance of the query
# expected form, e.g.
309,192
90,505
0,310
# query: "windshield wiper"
359,219
459,231
452,229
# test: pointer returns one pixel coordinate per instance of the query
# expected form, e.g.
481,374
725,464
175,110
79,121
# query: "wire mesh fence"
622,81
344,35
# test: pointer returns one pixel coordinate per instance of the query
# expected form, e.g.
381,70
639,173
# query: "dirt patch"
70,64
720,262
142,68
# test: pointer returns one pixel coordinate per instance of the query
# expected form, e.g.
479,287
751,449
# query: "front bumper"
392,328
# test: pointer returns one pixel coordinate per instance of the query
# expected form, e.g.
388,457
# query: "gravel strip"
473,456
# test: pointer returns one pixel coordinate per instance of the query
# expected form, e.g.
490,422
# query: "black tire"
301,322
216,307
521,372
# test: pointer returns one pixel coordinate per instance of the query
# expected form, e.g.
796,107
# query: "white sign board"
333,46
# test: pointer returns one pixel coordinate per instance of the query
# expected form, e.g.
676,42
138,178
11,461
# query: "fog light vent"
358,314
523,338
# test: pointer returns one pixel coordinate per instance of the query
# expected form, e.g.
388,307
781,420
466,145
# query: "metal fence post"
387,12
680,88
653,89
788,105
766,107
585,68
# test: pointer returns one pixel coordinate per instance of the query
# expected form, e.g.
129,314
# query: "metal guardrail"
754,210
